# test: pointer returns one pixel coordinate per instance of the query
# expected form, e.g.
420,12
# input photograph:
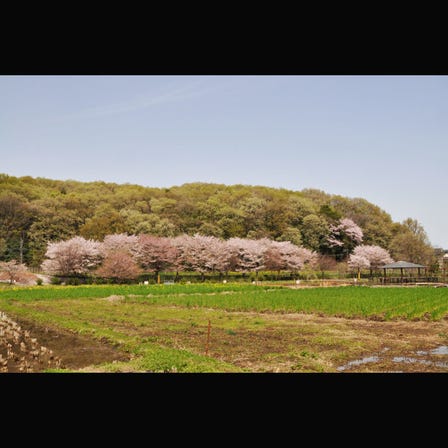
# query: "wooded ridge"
36,211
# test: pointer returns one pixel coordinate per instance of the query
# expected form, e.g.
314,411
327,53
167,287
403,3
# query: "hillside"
34,211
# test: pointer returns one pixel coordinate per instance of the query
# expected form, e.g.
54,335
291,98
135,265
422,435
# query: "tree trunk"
21,249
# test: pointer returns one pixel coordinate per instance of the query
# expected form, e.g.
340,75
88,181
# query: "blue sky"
382,138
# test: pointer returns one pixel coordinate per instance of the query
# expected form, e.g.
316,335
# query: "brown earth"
277,342
309,343
36,348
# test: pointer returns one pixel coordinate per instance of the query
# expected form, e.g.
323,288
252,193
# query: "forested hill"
34,211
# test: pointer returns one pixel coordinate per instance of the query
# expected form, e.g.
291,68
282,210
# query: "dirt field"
27,347
283,343
303,342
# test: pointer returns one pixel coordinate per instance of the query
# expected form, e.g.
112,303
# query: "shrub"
55,281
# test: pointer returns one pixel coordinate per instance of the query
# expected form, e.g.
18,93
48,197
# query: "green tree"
209,229
105,221
16,217
293,235
315,231
297,208
410,243
50,226
275,219
407,246
416,228
330,212
253,210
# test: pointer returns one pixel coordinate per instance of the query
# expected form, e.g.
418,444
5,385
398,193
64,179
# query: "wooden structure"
409,273
444,266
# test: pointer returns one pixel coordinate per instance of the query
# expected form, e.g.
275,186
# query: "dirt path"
46,279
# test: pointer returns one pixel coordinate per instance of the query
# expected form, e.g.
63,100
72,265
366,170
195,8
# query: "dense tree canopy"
38,211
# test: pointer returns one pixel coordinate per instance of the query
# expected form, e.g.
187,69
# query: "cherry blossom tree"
182,243
304,257
13,271
376,256
155,253
119,265
75,256
201,253
119,242
273,257
247,255
344,237
358,262
284,255
221,254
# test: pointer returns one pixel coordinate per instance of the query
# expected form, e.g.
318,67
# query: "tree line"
37,211
122,257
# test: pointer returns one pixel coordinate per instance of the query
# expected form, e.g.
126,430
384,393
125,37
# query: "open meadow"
223,328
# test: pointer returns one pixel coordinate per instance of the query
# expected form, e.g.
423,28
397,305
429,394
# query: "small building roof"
402,265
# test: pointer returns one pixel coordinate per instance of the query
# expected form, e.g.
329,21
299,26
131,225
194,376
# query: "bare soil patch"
62,348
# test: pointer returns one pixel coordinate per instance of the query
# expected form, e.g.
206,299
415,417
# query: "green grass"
385,303
94,291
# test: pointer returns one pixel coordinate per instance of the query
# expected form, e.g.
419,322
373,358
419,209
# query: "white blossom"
74,256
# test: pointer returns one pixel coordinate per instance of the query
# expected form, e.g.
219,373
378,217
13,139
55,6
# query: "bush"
73,281
39,282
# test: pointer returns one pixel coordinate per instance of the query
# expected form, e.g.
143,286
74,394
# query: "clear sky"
382,138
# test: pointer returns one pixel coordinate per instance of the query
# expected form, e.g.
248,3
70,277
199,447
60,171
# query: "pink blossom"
347,228
376,255
201,253
74,256
284,255
358,262
247,255
155,253
119,242
118,265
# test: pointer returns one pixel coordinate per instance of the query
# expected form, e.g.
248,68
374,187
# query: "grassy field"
90,291
365,302
164,328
